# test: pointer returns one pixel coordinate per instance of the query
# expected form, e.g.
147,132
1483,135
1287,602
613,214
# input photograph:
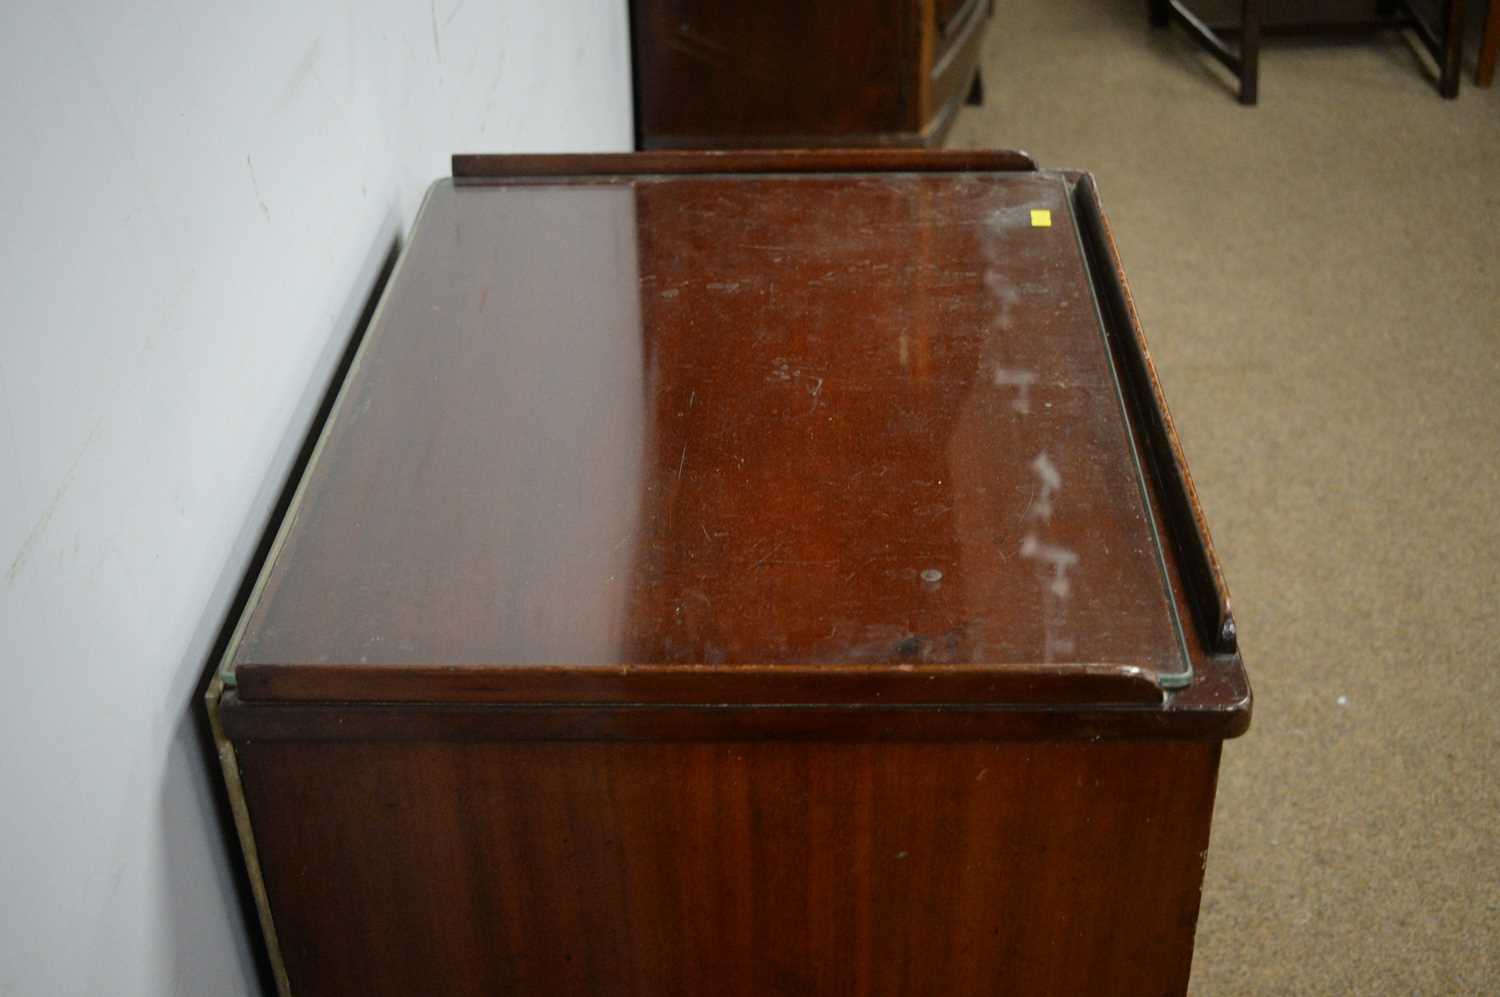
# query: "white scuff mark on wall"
39,528
255,186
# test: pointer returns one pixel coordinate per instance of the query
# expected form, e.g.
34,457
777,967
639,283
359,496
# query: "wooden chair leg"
1250,53
1453,47
1489,49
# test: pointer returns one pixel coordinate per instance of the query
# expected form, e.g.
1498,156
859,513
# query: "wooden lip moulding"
739,574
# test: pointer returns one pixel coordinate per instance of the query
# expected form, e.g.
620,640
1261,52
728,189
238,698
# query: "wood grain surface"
734,868
779,583
785,74
704,439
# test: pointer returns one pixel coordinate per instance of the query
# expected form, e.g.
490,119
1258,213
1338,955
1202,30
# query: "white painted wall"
196,198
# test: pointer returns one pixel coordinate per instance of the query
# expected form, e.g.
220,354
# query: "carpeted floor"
1320,281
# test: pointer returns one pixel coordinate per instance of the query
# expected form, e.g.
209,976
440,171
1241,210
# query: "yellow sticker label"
1041,218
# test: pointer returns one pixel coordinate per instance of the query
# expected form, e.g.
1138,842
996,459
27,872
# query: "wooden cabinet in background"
792,74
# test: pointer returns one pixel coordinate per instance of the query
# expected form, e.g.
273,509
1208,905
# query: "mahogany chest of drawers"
739,574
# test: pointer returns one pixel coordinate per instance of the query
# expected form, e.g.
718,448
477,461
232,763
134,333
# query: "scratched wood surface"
728,439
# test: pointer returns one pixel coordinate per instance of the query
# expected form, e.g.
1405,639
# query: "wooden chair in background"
1243,60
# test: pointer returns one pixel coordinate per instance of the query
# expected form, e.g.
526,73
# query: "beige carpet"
1320,281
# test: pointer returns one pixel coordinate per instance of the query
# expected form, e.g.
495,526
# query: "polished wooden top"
728,438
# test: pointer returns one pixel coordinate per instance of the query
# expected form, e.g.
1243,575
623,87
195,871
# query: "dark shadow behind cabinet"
788,73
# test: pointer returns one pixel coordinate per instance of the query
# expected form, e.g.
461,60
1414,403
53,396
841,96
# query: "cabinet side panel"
734,868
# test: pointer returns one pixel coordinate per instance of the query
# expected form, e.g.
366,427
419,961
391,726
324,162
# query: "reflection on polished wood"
741,582
819,442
